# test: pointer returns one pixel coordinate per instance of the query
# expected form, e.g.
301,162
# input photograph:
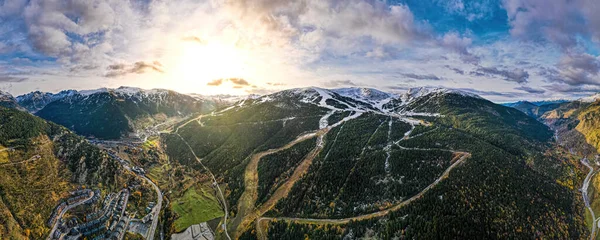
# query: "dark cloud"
421,77
339,83
118,66
558,21
576,69
398,88
85,67
456,70
12,79
516,75
530,90
216,82
565,88
141,67
117,70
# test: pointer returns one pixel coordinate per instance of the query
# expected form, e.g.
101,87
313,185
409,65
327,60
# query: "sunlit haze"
500,49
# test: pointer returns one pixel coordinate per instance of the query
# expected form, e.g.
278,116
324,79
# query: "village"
72,218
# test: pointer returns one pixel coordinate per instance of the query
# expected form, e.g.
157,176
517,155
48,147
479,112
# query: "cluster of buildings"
138,170
56,214
114,155
96,225
77,197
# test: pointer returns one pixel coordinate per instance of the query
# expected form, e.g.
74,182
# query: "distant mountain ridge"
115,113
7,100
35,101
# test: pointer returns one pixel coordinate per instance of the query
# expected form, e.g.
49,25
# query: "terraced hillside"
415,165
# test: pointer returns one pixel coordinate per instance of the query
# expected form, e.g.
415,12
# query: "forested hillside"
40,163
448,164
115,113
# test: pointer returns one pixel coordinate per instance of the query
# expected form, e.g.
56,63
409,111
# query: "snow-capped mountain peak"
7,100
367,94
414,93
590,99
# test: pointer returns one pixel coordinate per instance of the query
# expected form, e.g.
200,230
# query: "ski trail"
388,148
324,121
251,175
247,201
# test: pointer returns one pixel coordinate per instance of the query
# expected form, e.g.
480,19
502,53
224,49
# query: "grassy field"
197,205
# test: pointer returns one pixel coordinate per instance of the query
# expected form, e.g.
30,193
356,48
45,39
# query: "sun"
200,63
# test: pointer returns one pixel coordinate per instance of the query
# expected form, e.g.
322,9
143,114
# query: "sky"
503,50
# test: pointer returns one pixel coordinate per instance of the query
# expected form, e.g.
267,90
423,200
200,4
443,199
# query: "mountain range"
318,163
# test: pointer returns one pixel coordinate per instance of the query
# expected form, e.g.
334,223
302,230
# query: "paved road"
584,192
262,235
155,210
215,184
62,213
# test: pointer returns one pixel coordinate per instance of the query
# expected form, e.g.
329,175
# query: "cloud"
216,82
576,69
64,28
421,77
11,79
339,83
338,19
530,90
517,75
276,84
458,44
237,82
117,70
491,93
559,21
456,70
569,89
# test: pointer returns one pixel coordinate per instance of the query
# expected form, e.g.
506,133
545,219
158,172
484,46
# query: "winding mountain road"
66,209
586,199
34,158
251,184
246,206
261,234
155,210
